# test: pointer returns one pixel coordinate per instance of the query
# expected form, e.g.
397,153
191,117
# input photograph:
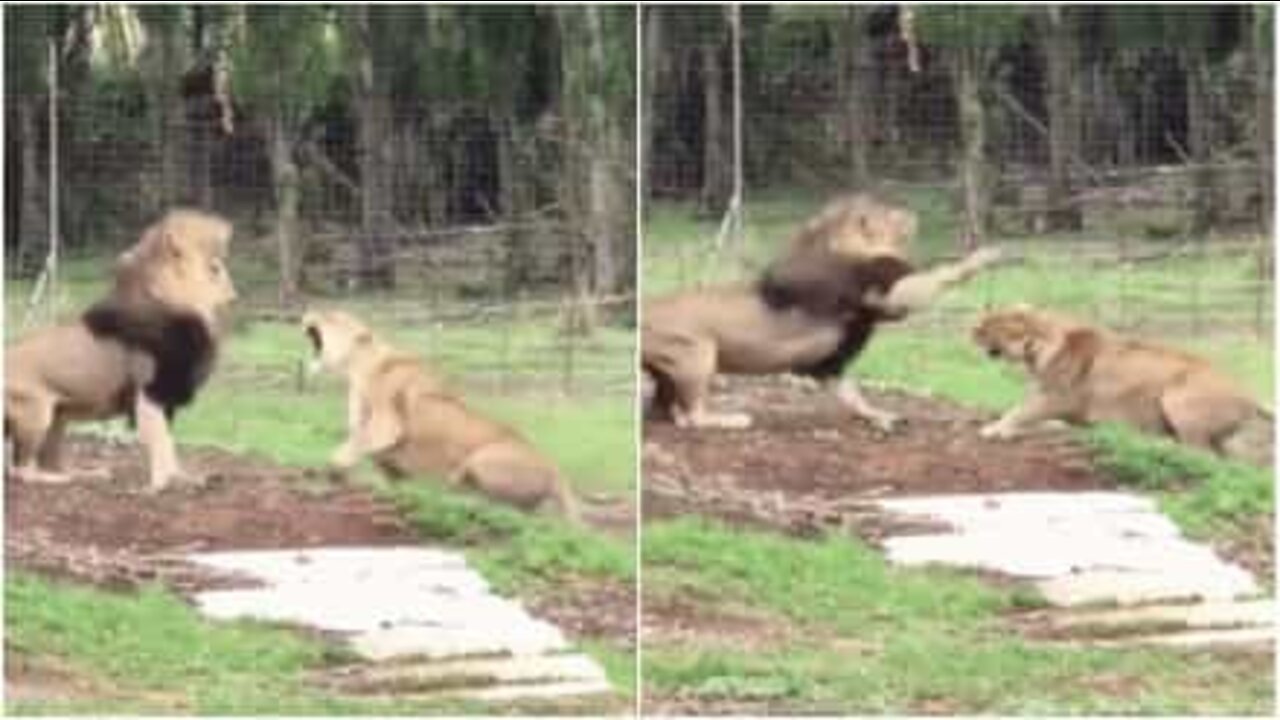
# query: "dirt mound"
100,530
805,464
245,504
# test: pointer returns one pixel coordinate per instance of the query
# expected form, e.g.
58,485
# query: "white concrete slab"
364,564
1190,616
398,604
1039,552
477,639
1079,548
1225,582
1259,638
1043,504
361,608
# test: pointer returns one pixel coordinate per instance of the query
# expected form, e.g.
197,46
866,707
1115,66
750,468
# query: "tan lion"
401,415
1085,374
810,313
142,352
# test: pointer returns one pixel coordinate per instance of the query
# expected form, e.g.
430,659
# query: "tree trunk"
967,66
1263,102
284,177
199,126
715,129
1064,117
607,207
1206,205
373,110
32,230
594,188
652,56
167,95
855,65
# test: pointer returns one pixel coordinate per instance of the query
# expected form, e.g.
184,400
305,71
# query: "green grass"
512,549
1206,496
148,652
862,637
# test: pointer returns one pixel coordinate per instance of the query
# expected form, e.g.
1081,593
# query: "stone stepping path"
1089,553
424,622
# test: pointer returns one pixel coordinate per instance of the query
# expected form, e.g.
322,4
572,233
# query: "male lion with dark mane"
810,313
1085,374
141,352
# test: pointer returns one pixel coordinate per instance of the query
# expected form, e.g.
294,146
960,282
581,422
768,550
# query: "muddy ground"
805,464
113,533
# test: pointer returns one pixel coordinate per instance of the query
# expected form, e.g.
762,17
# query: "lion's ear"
170,248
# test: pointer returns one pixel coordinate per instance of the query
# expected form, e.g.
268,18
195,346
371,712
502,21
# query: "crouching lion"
810,313
401,415
141,352
1085,374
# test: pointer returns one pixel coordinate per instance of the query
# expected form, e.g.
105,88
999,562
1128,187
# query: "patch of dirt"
113,532
806,465
1251,545
36,680
591,609
674,621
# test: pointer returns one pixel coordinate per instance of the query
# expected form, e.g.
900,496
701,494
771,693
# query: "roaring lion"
1085,374
141,352
810,313
401,415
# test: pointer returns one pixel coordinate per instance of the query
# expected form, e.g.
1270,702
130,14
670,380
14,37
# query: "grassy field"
829,627
825,626
151,653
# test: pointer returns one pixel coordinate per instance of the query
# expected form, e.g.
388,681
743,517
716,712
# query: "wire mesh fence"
1123,153
461,176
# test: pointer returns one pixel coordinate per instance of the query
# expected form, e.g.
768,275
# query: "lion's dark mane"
831,287
180,344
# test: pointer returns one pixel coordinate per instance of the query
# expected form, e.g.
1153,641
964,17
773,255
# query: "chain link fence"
460,176
1123,154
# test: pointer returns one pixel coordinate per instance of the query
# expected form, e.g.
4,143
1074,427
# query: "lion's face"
334,336
1013,334
862,226
181,262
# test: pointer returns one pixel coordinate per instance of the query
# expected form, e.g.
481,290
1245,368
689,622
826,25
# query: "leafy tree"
285,59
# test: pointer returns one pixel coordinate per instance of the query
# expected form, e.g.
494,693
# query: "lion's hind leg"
508,473
1203,418
30,419
688,366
